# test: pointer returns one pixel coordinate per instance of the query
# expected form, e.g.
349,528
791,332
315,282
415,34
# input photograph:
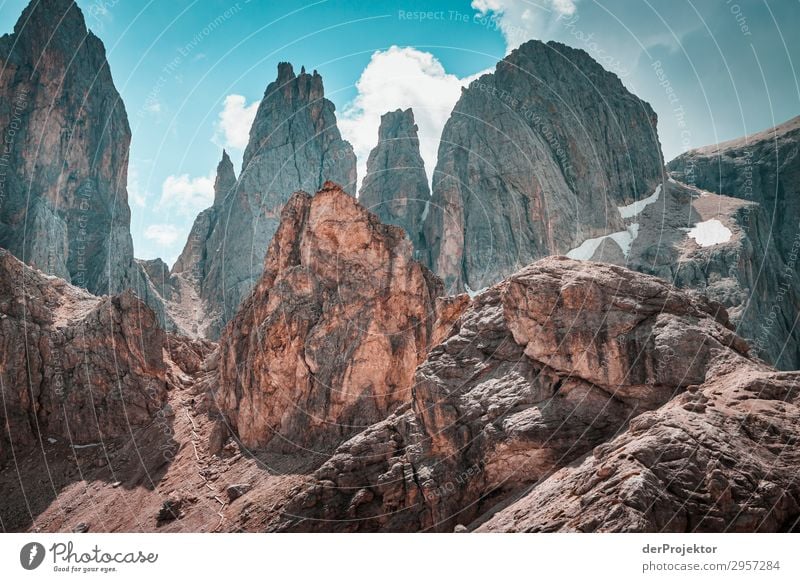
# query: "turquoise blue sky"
190,72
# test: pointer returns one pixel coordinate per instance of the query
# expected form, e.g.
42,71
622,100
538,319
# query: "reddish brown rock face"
328,341
536,372
720,457
74,366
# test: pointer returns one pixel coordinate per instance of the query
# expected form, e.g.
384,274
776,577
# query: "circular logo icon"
31,555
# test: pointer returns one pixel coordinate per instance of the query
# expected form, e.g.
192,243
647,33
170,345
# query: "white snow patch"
710,232
472,294
624,239
425,210
632,210
86,446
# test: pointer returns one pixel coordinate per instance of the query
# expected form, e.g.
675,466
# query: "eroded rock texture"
74,367
328,341
64,167
538,370
294,145
396,187
534,159
762,169
722,457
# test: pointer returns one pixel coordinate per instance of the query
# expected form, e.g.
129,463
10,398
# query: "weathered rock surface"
396,187
294,145
539,370
74,367
763,168
722,456
63,171
328,341
740,268
534,159
194,257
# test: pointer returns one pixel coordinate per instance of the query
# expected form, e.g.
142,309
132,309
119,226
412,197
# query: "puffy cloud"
165,235
401,78
234,122
186,195
135,193
522,20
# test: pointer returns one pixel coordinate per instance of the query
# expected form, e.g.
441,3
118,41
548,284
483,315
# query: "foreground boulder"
328,341
537,371
723,456
75,367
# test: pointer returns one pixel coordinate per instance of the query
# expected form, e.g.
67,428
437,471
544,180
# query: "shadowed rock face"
63,197
720,457
74,367
763,172
534,159
195,255
395,187
294,145
328,341
67,166
537,371
738,266
763,167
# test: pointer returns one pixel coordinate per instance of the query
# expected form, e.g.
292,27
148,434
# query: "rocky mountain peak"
225,181
294,145
299,98
52,25
535,158
329,339
396,187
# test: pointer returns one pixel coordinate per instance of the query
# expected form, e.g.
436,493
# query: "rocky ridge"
563,398
328,342
396,187
75,367
294,145
534,159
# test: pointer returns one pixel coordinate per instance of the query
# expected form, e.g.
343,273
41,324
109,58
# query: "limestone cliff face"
294,145
762,171
736,263
194,258
714,459
537,371
534,159
328,341
396,187
74,367
64,200
63,170
763,168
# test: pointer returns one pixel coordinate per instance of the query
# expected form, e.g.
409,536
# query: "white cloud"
401,78
186,195
162,234
153,106
521,20
135,193
234,122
